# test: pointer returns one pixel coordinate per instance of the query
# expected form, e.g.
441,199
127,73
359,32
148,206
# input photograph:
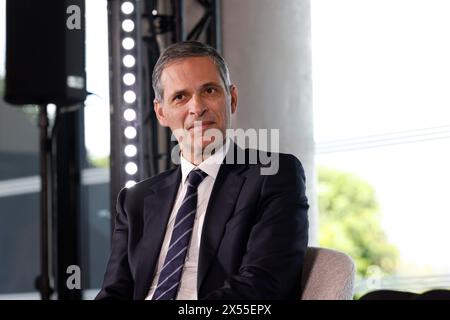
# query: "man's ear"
159,110
234,98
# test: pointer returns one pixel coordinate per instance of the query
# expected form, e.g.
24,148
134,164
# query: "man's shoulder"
156,179
262,163
267,154
146,185
261,158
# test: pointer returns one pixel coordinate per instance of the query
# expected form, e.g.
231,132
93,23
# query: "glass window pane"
381,75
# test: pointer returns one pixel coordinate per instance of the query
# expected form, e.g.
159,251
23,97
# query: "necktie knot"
195,177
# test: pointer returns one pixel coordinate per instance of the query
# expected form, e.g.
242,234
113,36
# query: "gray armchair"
327,275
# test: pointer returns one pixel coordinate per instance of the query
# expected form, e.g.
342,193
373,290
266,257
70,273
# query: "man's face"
193,91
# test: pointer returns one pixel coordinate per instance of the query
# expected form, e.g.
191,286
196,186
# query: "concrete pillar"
268,47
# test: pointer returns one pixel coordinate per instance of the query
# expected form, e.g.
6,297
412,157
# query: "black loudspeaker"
45,52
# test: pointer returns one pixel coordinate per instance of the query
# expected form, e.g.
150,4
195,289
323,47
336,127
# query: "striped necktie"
170,275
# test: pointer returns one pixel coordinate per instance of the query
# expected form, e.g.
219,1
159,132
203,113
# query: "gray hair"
188,49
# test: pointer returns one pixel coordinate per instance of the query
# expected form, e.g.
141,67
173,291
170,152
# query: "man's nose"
197,106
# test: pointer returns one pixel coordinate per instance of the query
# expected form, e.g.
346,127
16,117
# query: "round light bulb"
131,168
130,150
129,96
130,132
129,61
130,184
128,43
129,114
127,7
128,25
129,79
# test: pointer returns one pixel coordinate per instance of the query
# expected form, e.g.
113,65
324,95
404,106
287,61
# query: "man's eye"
210,90
178,97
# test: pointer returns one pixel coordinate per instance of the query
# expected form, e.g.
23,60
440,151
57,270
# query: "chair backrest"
327,275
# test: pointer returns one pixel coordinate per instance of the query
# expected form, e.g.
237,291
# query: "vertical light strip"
130,93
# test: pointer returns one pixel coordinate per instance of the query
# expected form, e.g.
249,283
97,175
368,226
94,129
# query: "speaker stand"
43,280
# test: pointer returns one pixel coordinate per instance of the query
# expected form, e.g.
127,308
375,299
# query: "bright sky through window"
383,67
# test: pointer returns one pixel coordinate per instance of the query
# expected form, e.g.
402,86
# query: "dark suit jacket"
254,235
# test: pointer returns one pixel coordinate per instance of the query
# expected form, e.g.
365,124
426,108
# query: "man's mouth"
201,124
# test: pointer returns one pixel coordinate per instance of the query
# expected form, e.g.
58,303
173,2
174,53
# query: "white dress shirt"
211,166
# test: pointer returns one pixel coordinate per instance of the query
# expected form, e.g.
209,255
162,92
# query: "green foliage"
99,162
350,221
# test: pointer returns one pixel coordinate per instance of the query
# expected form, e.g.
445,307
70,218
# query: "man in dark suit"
216,226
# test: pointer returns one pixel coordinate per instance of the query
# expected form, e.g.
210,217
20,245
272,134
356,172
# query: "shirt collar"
210,165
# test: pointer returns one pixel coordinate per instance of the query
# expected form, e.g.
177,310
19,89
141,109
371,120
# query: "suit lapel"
157,209
221,205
